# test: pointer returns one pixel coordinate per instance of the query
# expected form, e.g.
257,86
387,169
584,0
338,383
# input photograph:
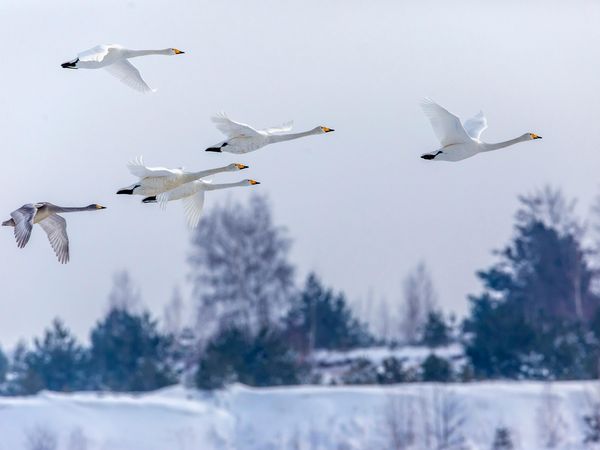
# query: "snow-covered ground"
299,417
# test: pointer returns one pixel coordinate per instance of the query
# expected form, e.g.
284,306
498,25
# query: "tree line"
536,317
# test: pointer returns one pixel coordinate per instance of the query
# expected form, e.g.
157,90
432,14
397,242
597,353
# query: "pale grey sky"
359,203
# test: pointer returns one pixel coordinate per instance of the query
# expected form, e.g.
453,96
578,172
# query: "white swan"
192,197
242,138
114,59
46,214
461,141
154,180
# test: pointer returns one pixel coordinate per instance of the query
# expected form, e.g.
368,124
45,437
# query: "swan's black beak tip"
214,149
427,157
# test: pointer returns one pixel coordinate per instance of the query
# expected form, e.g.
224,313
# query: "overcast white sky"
359,203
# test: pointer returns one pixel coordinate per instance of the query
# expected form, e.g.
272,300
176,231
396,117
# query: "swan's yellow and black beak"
100,207
534,136
241,166
254,182
177,51
327,130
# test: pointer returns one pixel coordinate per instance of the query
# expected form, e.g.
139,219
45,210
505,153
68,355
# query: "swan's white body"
460,141
192,196
155,180
242,138
114,59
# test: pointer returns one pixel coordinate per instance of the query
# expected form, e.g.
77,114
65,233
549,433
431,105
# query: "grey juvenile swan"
46,214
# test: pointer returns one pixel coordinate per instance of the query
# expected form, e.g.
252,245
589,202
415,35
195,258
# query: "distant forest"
537,316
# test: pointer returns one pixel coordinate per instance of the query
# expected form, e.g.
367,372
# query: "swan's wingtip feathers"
219,116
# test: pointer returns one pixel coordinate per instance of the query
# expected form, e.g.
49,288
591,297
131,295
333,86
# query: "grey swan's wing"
23,218
56,228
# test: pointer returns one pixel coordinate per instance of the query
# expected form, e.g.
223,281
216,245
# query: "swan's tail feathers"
150,199
8,223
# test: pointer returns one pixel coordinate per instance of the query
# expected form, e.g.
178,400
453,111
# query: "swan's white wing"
23,218
97,53
476,125
446,126
56,228
128,74
280,129
137,168
231,128
192,208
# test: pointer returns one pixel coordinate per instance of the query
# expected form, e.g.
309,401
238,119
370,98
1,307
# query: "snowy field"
302,417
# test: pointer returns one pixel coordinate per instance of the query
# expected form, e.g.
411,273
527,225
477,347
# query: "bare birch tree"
239,267
550,420
399,422
419,299
124,295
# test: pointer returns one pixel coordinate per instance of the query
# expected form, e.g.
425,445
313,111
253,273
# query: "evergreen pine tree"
436,331
502,439
320,319
4,366
435,368
532,319
56,362
235,355
128,353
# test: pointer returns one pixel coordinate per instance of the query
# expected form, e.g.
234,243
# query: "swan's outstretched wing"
476,125
97,53
56,228
231,128
128,74
446,126
280,129
23,218
137,168
192,208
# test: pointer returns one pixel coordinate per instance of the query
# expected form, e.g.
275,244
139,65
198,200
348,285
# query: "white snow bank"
297,417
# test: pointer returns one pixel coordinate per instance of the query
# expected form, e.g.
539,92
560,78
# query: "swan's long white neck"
214,187
193,176
290,136
136,53
485,147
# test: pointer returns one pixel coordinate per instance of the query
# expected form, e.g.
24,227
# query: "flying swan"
192,197
155,180
115,59
461,141
46,214
242,138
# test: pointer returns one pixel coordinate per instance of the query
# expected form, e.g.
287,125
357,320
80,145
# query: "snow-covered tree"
239,267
